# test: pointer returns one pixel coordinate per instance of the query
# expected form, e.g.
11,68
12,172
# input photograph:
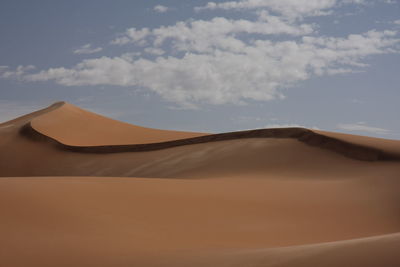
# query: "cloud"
131,35
397,22
87,49
161,9
362,127
286,8
227,61
18,73
201,35
227,70
154,51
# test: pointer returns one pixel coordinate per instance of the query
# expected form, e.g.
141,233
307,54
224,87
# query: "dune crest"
73,126
74,129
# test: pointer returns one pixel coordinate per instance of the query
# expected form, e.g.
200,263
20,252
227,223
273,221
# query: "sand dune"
71,125
79,189
73,129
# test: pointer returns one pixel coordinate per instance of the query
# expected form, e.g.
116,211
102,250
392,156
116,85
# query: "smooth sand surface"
72,125
391,146
245,202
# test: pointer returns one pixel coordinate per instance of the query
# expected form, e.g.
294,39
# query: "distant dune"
80,189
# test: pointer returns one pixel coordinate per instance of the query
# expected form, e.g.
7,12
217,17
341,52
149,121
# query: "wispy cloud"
362,127
203,34
18,73
287,8
87,49
161,9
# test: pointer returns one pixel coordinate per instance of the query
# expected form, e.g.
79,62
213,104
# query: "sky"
207,66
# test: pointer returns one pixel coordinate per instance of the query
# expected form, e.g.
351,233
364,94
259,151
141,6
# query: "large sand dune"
79,189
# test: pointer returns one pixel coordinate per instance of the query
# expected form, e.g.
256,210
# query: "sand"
74,126
242,201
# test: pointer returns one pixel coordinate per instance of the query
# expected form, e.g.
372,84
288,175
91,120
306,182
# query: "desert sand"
80,189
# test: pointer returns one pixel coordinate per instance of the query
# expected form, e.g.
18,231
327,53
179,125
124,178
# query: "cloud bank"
229,61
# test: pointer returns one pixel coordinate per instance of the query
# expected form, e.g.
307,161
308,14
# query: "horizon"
212,133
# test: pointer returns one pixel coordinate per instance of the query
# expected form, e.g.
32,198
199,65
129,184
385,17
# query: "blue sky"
207,66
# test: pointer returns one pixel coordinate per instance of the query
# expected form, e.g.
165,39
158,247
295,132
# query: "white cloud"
290,8
154,51
287,8
18,73
221,60
161,9
87,49
217,73
132,35
397,22
201,35
354,2
362,127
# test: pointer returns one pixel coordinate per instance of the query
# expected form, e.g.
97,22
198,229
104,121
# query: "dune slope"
71,125
78,221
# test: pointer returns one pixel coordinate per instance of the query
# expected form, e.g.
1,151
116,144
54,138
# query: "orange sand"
241,202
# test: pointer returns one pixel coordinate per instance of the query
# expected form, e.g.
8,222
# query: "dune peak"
72,125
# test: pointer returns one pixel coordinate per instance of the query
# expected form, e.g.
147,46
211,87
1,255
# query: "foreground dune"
79,189
78,221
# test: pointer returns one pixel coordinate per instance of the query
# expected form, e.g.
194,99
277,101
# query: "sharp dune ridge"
307,136
80,189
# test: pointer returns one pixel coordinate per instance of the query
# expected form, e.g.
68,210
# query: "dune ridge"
28,117
324,140
304,135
